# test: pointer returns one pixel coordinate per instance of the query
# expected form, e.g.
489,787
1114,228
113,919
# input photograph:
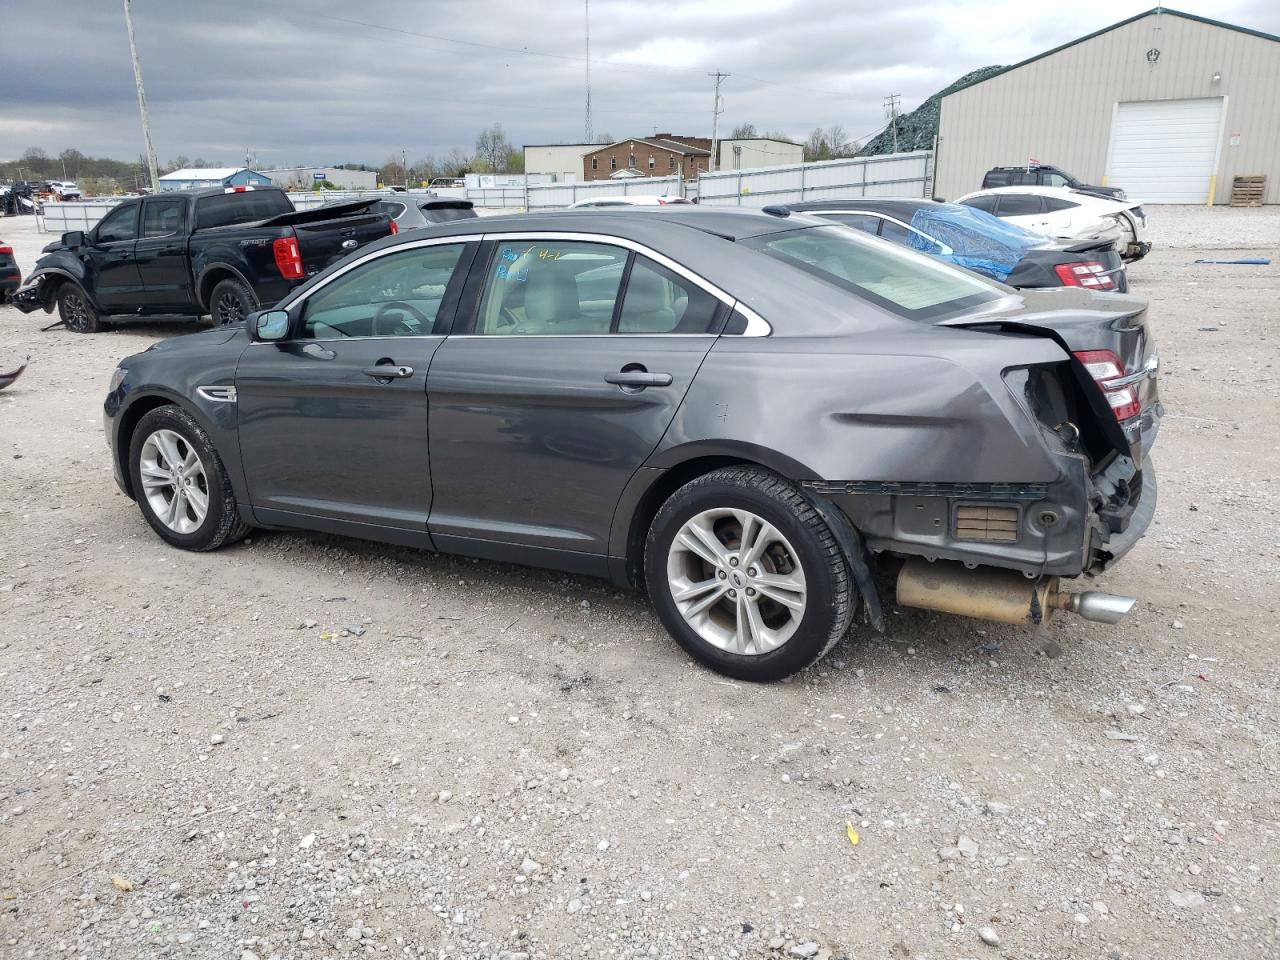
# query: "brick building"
662,155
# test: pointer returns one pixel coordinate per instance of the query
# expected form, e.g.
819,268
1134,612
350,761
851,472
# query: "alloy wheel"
737,581
174,481
77,312
230,309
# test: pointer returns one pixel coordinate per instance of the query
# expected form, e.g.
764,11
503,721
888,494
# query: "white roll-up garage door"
1165,151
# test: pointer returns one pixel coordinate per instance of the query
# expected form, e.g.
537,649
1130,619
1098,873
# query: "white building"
563,161
747,154
1166,105
303,178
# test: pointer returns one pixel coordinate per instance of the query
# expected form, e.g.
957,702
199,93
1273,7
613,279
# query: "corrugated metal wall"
892,175
1059,109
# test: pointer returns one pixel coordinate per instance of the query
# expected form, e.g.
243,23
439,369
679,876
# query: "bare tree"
492,148
744,131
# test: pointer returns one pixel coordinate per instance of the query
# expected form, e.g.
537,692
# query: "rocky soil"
309,747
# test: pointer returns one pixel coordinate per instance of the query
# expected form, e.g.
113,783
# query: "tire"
75,311
802,563
230,302
166,437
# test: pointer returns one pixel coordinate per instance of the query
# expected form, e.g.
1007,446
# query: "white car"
64,189
1066,213
628,201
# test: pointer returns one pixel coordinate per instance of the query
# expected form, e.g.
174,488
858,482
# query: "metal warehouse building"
1167,105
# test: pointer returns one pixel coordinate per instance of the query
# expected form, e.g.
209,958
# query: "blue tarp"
978,240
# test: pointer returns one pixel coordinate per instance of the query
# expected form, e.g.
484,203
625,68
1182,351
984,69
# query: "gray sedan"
749,415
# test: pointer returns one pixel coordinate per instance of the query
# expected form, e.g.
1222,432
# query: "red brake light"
1105,366
1086,273
5,248
288,257
395,228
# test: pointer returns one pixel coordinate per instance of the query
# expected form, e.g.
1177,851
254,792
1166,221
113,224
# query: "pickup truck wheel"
230,302
180,482
75,310
746,575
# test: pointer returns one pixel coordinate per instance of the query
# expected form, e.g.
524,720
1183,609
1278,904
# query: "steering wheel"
391,305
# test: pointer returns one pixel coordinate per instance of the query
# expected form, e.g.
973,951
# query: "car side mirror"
269,326
74,238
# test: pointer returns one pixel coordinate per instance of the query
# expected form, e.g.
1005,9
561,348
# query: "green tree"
492,149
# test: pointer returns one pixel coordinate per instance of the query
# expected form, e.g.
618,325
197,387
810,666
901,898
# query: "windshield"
905,283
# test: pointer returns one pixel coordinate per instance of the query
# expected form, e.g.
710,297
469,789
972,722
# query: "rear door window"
659,301
1019,205
1054,204
120,224
551,288
163,216
987,204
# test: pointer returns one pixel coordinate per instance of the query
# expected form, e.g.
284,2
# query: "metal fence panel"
893,175
560,195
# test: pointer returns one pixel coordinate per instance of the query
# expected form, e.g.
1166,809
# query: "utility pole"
891,104
404,165
142,101
586,7
712,166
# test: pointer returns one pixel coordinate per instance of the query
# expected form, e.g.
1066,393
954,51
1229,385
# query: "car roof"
641,222
902,206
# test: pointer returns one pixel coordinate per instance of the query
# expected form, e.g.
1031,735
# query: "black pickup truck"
224,252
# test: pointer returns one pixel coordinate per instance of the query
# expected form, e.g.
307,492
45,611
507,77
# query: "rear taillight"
288,257
1086,273
5,248
395,228
1105,366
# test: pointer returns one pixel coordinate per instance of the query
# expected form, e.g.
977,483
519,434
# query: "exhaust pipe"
1005,596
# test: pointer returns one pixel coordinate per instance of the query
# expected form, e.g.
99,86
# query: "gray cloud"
307,83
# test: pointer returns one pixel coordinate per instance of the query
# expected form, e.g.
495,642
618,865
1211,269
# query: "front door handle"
638,378
387,371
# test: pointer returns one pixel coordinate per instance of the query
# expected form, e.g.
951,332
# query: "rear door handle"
387,371
638,378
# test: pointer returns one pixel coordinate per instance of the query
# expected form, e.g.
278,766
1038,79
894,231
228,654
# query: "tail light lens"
288,257
1086,273
1104,366
5,248
395,228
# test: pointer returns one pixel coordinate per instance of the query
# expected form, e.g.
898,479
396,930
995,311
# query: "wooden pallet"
1248,191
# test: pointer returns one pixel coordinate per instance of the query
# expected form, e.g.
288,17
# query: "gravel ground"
311,747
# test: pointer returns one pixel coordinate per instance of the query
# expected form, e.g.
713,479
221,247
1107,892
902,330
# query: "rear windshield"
901,281
443,214
224,209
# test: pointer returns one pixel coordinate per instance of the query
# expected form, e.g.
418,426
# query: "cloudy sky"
330,81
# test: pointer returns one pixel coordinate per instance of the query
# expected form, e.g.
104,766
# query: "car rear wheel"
746,575
230,302
180,482
75,311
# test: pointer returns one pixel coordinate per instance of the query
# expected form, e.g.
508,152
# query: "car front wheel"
75,310
747,576
180,482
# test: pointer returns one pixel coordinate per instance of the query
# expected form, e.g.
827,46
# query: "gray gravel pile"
305,747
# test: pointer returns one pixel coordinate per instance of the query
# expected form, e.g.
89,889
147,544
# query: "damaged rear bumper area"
1079,524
